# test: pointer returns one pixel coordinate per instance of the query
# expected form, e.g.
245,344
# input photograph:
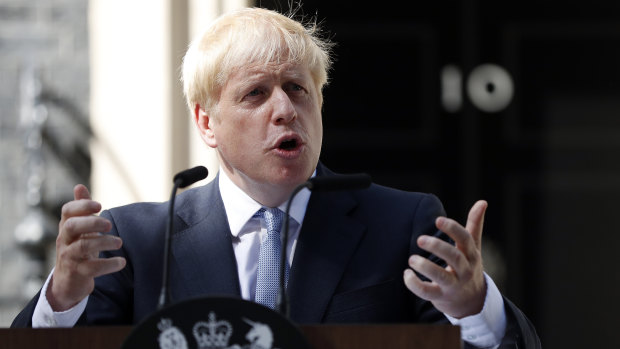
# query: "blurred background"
516,102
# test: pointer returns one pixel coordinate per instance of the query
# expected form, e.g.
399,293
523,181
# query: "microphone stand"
282,300
181,180
164,296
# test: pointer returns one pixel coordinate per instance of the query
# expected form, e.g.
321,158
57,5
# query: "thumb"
475,221
81,192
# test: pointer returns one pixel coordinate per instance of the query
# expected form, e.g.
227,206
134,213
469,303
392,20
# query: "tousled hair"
250,36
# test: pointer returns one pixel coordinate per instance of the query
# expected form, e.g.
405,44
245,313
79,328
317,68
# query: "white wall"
144,132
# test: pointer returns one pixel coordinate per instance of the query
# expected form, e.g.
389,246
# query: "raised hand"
459,289
80,239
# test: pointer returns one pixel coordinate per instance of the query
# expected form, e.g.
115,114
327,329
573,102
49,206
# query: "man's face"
267,126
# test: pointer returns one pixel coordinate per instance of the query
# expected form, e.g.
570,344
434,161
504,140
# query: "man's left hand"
459,289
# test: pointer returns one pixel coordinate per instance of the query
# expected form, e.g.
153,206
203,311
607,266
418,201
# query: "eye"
255,92
293,87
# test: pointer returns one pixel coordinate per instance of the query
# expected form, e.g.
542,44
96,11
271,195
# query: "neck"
266,194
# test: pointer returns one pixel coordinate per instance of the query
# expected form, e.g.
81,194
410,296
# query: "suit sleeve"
24,318
520,332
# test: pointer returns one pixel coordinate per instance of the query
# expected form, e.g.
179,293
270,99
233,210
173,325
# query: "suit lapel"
326,243
203,258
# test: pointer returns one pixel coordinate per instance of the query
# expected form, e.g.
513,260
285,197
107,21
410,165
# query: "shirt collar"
240,207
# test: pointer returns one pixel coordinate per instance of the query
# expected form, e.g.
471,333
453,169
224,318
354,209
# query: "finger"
101,266
82,207
82,204
74,227
475,221
423,289
432,271
458,233
89,247
81,192
446,251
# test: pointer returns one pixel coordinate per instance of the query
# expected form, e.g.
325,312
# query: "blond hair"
250,36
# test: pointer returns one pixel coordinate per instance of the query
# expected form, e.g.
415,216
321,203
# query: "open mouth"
288,144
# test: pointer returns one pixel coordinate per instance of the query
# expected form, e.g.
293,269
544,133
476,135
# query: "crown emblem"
212,334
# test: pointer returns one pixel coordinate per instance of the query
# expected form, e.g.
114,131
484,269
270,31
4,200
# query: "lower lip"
289,153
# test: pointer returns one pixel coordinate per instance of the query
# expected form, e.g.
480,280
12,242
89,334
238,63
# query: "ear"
204,124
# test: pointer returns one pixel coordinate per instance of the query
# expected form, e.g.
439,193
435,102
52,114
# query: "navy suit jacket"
348,267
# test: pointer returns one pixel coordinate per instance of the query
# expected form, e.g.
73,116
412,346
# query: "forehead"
271,70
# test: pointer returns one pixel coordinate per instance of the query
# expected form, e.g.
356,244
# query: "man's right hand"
78,244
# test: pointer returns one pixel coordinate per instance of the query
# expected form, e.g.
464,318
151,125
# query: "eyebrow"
256,75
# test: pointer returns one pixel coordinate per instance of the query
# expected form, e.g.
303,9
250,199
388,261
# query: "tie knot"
273,218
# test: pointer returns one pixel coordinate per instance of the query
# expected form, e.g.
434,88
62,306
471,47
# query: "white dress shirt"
483,330
248,231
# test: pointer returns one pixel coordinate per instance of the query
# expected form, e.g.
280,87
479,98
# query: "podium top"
318,336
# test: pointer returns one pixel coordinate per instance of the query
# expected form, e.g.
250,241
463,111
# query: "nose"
283,109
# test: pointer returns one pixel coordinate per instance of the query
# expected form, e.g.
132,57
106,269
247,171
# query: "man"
253,81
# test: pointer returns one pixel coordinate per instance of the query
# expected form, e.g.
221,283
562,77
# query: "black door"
516,102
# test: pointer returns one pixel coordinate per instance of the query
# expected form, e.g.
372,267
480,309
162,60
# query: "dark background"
548,163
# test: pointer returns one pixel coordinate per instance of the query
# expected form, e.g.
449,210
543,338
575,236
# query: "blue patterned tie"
267,280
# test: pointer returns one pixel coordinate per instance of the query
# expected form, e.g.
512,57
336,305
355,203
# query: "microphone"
323,183
190,176
180,180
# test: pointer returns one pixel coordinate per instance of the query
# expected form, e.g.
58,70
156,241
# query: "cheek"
316,123
240,140
319,137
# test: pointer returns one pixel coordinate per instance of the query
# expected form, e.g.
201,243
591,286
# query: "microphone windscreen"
190,176
340,182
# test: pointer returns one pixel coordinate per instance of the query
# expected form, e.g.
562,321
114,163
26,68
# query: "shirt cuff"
45,316
487,328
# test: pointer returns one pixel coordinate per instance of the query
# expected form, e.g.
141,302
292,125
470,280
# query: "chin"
293,177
